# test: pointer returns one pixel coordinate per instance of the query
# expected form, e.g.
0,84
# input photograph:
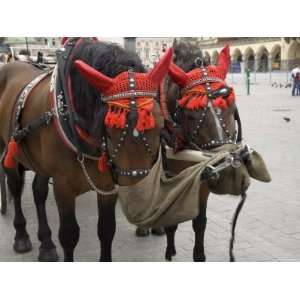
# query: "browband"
129,94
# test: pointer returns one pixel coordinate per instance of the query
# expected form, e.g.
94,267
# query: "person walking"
295,74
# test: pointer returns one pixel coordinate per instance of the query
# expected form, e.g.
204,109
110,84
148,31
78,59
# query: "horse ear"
63,40
98,80
224,60
178,75
159,71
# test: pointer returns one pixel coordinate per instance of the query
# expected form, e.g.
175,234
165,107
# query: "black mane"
108,58
187,56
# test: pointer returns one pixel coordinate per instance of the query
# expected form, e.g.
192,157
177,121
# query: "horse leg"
68,228
40,193
15,182
199,225
170,250
158,231
106,224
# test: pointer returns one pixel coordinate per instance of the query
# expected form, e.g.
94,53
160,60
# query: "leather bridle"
190,135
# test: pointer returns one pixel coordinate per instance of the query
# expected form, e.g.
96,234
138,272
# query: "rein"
234,220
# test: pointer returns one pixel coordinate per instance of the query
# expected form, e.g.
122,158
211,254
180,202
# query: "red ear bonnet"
146,82
201,75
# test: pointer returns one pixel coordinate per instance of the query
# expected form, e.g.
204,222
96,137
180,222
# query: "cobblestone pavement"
269,225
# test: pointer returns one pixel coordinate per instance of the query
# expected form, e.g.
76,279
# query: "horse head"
132,118
204,108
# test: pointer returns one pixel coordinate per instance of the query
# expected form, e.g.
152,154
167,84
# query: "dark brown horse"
84,128
202,116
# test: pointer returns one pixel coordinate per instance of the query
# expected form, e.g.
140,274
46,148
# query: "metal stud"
134,173
135,133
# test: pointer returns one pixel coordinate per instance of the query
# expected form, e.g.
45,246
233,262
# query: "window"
147,53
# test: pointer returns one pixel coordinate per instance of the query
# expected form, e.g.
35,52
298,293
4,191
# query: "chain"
91,183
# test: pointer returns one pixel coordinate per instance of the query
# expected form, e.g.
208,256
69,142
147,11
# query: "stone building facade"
261,54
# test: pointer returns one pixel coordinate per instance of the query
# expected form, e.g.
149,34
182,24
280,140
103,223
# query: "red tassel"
183,101
13,149
197,102
102,162
204,101
140,125
108,118
122,119
151,121
221,103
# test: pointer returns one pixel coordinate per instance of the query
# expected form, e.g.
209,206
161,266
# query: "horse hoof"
199,257
22,245
48,255
105,259
141,232
158,231
170,253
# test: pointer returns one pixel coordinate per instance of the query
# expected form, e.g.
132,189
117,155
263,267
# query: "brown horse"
201,115
83,127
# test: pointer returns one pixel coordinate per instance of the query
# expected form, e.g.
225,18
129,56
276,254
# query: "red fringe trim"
13,150
220,102
192,102
197,102
102,162
116,116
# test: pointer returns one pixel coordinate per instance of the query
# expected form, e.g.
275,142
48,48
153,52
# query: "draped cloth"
158,201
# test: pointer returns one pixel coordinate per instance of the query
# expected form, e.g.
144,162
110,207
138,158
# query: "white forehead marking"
217,121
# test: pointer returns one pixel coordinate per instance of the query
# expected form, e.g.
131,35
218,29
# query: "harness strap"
63,56
238,120
44,119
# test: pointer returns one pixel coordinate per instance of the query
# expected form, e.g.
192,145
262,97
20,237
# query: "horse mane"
108,58
185,55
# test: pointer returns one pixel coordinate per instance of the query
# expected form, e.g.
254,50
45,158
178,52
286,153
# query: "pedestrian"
297,83
295,74
40,57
